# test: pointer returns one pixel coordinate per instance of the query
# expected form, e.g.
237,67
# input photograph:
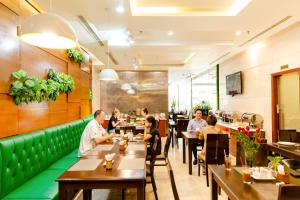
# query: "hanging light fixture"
48,30
108,74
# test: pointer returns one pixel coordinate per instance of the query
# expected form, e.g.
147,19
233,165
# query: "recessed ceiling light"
170,33
238,33
120,9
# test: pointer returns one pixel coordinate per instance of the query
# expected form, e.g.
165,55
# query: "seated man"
93,134
195,124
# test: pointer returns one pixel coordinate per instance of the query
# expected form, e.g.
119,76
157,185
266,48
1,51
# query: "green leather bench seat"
30,163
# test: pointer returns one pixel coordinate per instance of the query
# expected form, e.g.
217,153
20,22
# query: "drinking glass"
227,160
246,175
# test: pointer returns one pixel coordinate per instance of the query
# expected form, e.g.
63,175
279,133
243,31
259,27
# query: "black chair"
172,179
287,135
289,192
182,125
150,167
164,156
216,145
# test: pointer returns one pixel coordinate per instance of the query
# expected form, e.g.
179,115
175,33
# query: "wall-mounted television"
234,84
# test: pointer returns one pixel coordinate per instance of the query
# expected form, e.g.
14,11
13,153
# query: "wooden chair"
172,179
287,135
289,192
164,156
182,125
216,145
150,167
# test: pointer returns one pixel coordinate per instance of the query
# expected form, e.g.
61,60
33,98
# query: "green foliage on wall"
26,89
75,55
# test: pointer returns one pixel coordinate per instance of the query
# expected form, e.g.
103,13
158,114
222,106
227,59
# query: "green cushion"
42,186
73,154
64,163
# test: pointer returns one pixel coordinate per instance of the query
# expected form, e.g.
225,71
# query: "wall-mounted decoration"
75,55
27,89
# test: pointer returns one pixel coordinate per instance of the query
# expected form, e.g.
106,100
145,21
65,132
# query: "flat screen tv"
234,84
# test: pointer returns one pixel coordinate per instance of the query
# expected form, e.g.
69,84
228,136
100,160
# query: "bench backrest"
24,156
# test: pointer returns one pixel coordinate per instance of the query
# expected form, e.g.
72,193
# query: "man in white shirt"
194,124
93,134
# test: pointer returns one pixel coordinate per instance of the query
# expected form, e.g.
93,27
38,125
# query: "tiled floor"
190,187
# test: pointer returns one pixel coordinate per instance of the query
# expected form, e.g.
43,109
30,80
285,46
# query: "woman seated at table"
150,133
113,121
209,129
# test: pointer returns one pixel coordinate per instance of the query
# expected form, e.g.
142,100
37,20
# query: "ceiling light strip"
90,30
266,30
219,58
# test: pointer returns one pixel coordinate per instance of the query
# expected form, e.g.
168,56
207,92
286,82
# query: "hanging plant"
26,89
91,95
75,55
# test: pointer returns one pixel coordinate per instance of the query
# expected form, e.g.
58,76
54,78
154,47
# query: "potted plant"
204,107
274,162
173,106
250,141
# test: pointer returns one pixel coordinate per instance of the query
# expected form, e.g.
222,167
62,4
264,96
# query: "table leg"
172,137
62,192
183,150
214,188
190,149
141,191
87,194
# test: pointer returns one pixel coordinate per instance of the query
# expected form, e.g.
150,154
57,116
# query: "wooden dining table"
100,178
287,151
191,138
232,184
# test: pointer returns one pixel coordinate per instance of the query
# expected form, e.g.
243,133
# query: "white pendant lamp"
48,31
108,75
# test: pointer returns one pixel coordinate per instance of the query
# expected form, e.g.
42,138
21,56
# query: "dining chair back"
172,179
289,192
152,164
216,147
164,155
182,125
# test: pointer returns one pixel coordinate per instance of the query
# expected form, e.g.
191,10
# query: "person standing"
194,125
93,134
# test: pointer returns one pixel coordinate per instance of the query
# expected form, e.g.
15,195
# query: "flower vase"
249,158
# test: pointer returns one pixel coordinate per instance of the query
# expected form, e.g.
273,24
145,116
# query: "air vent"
266,30
219,58
90,30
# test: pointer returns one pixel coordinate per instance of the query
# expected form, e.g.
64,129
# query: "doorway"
285,103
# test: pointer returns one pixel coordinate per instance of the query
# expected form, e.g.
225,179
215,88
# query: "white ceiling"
154,48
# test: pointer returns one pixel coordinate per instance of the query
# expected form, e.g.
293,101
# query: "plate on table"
286,143
258,177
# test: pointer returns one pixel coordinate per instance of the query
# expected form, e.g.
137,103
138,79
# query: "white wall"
257,64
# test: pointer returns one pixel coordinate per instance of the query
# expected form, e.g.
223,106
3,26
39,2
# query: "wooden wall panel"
73,111
74,71
8,116
85,85
33,116
34,61
9,46
85,108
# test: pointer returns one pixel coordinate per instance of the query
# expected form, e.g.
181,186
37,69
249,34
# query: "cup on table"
246,175
122,144
227,162
109,161
125,137
197,131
